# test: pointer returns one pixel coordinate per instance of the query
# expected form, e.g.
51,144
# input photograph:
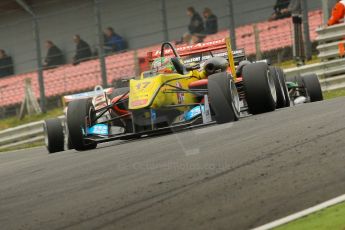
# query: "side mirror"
180,68
193,67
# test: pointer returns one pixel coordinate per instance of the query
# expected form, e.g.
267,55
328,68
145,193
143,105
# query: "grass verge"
334,94
292,63
14,121
24,146
331,218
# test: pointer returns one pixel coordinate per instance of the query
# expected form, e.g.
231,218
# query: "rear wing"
238,55
196,53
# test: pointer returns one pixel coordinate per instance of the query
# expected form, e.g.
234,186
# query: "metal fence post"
325,11
100,42
165,21
232,25
39,64
307,41
257,42
36,35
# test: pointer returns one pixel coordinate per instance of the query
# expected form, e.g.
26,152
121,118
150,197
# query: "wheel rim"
235,97
272,86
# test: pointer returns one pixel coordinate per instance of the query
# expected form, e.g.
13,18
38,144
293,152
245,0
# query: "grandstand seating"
69,78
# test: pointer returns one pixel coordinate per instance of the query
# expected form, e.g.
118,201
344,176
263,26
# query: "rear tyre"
281,101
301,88
68,139
224,98
299,81
69,143
282,78
312,87
259,88
53,135
77,113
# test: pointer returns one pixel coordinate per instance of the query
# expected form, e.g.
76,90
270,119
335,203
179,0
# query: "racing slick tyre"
77,113
312,87
299,81
259,88
68,139
301,88
282,78
53,135
69,143
281,101
224,98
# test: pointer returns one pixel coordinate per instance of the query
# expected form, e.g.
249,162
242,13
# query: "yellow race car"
187,86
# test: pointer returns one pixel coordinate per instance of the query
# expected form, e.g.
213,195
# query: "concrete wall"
140,22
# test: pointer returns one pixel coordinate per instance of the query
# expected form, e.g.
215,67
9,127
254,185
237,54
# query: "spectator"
6,64
112,41
211,22
195,28
280,10
338,13
83,50
54,56
196,25
211,27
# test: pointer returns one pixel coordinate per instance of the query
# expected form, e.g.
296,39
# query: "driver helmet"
163,65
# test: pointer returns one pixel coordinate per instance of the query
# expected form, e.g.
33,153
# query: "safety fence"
272,36
331,69
23,134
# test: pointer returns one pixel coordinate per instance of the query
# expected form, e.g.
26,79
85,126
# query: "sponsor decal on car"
99,129
139,102
153,115
180,96
191,114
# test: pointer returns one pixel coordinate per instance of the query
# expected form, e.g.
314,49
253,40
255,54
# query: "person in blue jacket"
113,42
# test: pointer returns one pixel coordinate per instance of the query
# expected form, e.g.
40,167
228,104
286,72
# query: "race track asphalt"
232,176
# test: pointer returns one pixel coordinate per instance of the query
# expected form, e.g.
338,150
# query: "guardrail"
329,39
23,134
330,33
322,69
331,69
329,50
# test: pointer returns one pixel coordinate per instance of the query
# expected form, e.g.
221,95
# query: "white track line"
303,213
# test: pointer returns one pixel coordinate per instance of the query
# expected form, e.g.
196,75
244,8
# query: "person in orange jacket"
338,13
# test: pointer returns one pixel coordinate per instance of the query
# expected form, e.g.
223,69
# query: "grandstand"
70,78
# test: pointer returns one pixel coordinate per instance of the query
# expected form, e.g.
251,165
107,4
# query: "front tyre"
53,135
312,87
77,115
224,98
